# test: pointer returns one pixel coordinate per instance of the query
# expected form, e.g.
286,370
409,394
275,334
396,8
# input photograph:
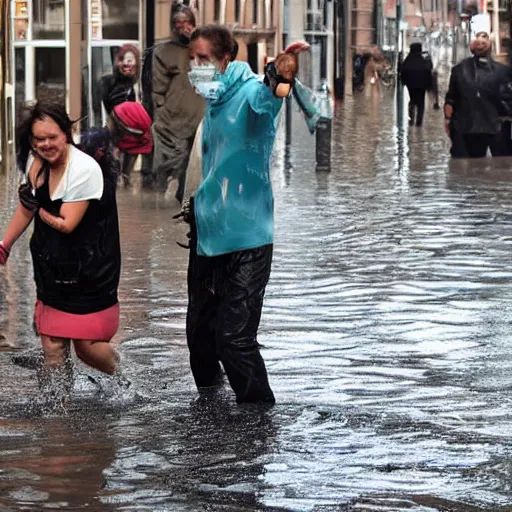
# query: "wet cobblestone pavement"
386,331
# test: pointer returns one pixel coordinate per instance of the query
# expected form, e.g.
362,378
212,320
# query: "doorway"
252,56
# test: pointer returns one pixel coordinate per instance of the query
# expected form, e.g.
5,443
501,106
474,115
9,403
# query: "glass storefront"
41,49
19,73
48,19
50,77
112,24
120,19
39,60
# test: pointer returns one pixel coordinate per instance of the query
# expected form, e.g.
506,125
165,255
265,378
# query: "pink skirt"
100,326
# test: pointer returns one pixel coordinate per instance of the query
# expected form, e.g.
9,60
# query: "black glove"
279,85
27,198
187,212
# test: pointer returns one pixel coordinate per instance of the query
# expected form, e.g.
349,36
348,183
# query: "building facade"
59,49
256,24
312,21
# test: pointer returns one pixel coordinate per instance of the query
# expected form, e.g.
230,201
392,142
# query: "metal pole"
496,25
398,65
4,58
149,32
347,28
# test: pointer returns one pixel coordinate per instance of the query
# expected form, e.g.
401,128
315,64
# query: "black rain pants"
225,301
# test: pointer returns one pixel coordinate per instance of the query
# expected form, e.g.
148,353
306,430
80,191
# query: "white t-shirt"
82,180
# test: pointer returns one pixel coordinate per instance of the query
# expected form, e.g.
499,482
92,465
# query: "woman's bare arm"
20,221
70,215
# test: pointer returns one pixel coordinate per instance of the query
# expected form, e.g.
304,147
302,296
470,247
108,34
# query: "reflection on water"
386,332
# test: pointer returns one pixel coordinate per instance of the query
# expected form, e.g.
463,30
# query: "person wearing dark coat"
416,75
119,87
472,107
177,109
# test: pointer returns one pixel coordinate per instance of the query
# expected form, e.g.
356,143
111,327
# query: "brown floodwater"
386,331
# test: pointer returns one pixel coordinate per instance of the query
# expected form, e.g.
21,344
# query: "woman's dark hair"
95,142
220,38
41,111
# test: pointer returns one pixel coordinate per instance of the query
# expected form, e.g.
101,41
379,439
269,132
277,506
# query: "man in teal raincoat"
232,219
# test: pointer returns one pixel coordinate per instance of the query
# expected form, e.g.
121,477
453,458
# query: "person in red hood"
118,88
130,128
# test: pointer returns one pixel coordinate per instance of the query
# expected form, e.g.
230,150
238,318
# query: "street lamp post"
3,80
496,25
399,56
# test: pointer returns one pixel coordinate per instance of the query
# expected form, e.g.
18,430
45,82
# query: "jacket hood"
178,42
236,75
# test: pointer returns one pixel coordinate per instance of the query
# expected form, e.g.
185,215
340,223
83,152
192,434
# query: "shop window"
19,77
50,74
237,11
48,19
216,11
20,20
102,64
119,19
255,6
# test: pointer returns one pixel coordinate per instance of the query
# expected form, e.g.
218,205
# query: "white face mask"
202,77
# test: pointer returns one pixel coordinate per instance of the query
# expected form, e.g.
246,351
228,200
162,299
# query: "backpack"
146,80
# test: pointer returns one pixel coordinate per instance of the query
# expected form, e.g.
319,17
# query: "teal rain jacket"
234,205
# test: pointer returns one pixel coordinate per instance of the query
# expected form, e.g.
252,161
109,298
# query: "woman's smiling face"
48,140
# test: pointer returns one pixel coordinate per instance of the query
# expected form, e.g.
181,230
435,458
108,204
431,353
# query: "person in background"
75,243
119,87
130,128
359,64
472,104
416,75
177,109
505,137
434,88
375,63
231,214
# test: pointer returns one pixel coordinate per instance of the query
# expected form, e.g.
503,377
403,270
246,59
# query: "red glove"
4,254
287,63
297,47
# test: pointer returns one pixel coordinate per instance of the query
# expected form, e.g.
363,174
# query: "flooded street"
386,332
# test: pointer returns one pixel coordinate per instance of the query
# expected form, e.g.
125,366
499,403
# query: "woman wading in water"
75,243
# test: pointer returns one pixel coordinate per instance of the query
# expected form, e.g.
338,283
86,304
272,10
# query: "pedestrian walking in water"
376,63
416,75
472,104
232,213
119,87
177,109
75,242
434,88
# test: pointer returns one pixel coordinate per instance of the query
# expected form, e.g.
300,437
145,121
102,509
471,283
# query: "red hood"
135,120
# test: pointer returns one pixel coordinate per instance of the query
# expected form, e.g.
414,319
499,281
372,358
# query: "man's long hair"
180,9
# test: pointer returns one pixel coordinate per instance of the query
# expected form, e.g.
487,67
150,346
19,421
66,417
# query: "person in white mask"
231,214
